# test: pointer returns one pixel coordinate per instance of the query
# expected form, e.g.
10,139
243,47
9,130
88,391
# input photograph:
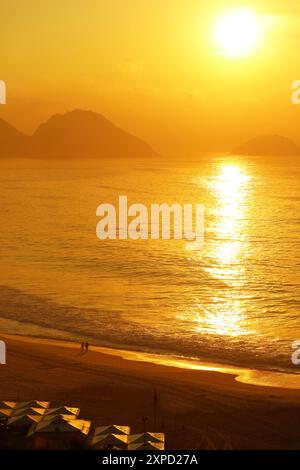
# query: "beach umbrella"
59,435
58,418
101,441
29,411
33,404
5,413
22,423
147,446
63,410
78,426
7,405
112,429
147,437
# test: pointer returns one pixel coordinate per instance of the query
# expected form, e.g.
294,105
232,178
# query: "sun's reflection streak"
227,316
230,189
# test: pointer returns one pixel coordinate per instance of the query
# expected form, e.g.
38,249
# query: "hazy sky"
151,67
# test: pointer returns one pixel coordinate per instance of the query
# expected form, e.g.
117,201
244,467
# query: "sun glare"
237,33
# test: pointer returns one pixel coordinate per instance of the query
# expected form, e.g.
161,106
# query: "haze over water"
235,300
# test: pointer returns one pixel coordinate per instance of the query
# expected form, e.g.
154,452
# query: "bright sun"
237,33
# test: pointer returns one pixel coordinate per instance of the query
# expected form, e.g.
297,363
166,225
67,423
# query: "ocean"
235,300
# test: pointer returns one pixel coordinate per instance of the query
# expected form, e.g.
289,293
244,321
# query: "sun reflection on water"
227,315
225,320
230,188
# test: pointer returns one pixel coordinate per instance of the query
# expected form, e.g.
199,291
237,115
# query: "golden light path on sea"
225,316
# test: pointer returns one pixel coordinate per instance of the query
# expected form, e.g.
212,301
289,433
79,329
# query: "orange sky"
151,67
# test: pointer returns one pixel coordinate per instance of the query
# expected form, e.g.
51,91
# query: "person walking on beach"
86,346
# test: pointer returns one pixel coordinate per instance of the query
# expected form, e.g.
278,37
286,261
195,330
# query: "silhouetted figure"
86,346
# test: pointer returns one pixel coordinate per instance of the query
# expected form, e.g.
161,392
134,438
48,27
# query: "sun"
237,33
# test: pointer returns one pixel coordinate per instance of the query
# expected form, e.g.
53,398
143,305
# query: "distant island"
76,134
268,145
80,134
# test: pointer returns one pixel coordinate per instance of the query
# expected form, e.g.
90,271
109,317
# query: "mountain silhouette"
85,134
76,134
268,145
12,142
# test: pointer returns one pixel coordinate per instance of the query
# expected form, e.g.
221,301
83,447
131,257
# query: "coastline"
194,406
258,377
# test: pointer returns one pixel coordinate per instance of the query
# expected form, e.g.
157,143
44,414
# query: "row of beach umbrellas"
119,437
39,418
33,417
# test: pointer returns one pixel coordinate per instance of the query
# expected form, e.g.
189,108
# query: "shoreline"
262,371
257,377
197,409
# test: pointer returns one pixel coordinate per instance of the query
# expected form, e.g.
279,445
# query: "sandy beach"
197,409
